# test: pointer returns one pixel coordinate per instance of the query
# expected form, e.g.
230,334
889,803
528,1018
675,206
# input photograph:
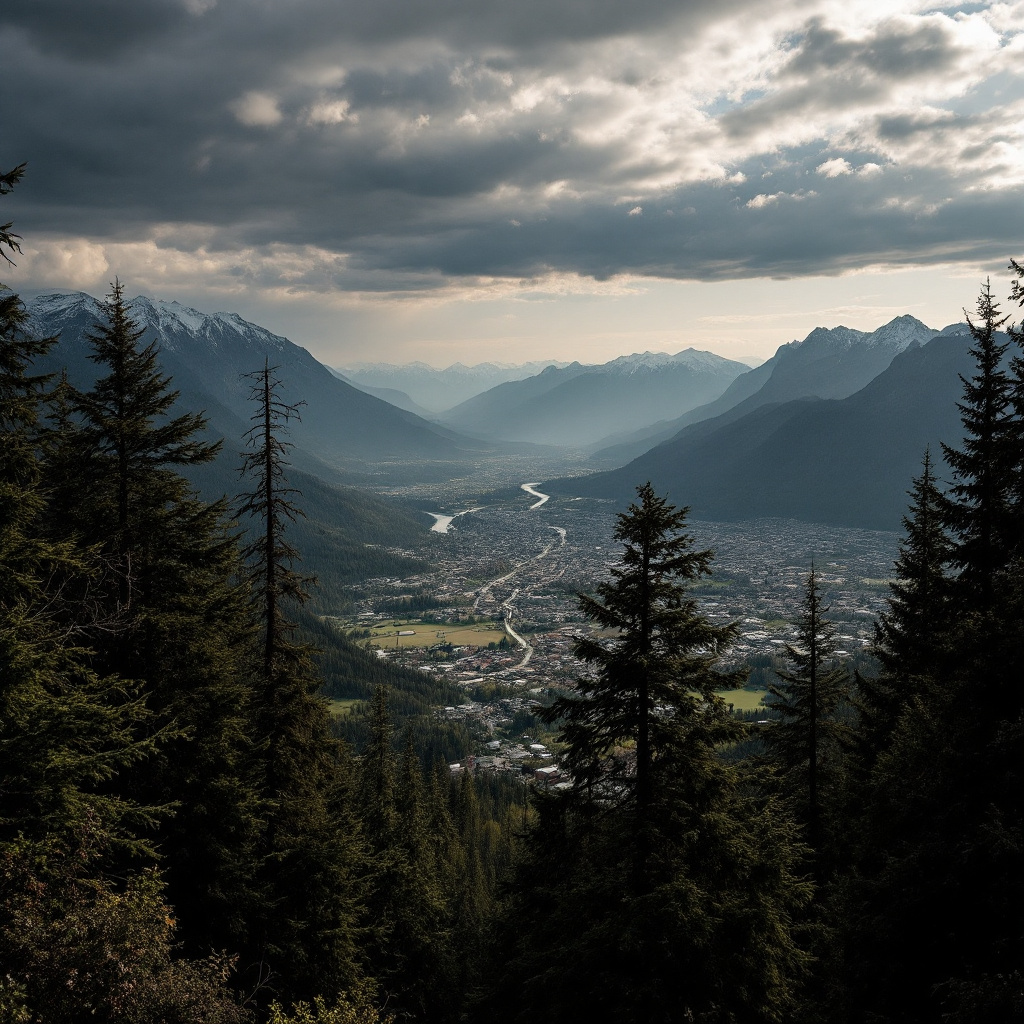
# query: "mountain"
844,461
208,356
829,363
345,534
436,390
577,405
390,395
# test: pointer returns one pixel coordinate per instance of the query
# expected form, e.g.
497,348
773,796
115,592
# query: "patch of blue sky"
723,104
990,94
957,8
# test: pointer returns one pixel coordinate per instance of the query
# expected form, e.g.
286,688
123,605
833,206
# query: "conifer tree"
74,944
913,633
640,873
1016,434
806,740
409,919
940,834
662,658
308,930
977,513
65,731
167,613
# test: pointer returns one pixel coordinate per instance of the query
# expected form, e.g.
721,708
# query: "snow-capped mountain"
208,355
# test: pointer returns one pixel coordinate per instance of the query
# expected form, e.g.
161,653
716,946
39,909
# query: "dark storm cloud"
446,138
74,26
718,236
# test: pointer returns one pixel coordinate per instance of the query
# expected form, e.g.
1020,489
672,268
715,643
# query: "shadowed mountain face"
577,405
828,363
208,355
844,461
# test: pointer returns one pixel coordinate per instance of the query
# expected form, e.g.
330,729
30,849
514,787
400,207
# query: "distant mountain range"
390,395
828,363
847,461
435,390
578,405
342,428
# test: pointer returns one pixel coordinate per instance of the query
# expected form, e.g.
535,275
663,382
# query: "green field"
742,700
426,634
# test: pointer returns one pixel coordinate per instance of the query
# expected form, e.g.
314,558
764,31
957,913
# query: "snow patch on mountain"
901,333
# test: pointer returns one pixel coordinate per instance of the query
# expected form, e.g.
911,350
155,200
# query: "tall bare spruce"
312,848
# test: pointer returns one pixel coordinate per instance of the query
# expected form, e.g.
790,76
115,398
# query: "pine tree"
912,635
311,852
641,873
129,446
1015,440
408,917
74,944
806,740
977,513
663,657
938,870
167,612
65,731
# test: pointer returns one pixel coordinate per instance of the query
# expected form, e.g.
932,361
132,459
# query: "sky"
446,180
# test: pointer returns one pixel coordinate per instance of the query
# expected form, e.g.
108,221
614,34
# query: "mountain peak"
902,332
834,337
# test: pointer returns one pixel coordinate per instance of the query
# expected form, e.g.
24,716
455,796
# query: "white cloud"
835,167
257,109
329,112
637,211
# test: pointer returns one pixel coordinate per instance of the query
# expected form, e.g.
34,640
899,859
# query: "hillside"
208,356
828,363
847,461
577,405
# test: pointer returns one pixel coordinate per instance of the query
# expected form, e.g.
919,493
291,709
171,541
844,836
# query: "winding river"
529,488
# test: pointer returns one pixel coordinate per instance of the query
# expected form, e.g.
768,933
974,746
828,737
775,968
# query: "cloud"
394,148
258,109
762,200
834,167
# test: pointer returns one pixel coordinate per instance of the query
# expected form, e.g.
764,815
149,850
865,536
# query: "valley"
510,570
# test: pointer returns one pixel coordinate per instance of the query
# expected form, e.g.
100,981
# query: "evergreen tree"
128,446
938,870
166,612
642,873
663,657
806,740
311,849
1015,441
409,918
74,944
65,731
977,513
913,633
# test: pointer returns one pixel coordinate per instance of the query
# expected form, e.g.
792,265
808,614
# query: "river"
529,488
441,523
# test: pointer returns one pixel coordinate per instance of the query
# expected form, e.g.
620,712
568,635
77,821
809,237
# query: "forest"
186,837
